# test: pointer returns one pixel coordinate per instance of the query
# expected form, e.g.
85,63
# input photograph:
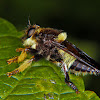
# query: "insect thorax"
42,43
46,49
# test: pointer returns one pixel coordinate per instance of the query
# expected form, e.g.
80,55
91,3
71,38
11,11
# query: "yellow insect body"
61,37
67,58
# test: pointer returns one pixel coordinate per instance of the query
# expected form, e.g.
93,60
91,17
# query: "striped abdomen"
79,67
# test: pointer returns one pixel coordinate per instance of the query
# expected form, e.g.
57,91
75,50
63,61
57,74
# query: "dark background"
79,18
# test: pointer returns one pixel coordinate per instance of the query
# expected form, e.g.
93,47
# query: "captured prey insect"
52,44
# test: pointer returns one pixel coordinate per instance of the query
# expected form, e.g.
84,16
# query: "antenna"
29,23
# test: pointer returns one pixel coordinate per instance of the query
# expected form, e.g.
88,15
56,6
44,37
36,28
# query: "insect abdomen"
80,68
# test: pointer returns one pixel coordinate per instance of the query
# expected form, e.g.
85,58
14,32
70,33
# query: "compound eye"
30,32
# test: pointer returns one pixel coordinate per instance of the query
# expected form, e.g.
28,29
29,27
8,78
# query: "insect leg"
24,65
21,68
67,79
22,56
19,58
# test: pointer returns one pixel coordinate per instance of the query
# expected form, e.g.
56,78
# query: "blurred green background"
80,19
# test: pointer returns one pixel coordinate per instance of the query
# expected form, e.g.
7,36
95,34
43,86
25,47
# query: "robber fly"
52,45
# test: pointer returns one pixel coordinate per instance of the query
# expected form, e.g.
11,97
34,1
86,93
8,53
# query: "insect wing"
77,53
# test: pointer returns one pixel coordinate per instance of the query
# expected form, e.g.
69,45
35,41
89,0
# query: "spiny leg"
24,65
67,79
21,68
19,58
71,84
22,56
12,60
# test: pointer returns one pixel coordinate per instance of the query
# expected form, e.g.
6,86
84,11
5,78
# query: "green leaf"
42,80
